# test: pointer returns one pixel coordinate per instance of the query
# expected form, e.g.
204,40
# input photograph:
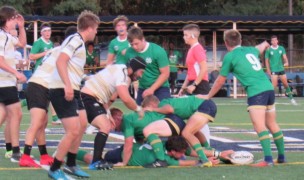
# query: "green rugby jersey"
184,107
275,58
143,155
133,126
40,46
156,58
245,64
116,46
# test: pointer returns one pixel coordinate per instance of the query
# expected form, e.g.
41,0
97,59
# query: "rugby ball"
241,157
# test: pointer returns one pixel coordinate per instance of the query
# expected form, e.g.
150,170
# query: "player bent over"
198,111
99,91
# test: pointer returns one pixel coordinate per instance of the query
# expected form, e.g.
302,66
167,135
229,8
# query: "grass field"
231,130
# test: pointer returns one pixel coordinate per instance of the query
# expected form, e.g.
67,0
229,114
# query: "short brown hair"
135,33
232,37
6,13
120,18
192,27
87,19
45,24
148,100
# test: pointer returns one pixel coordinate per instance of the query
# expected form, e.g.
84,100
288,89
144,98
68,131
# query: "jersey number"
255,62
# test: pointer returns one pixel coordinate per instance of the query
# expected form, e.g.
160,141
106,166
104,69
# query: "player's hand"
119,164
226,154
68,93
21,78
286,64
190,89
147,92
181,92
214,160
123,52
20,20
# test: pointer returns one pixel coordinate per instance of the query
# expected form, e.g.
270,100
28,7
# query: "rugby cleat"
8,154
204,164
279,161
15,157
157,164
27,161
101,165
75,171
262,164
46,160
57,175
293,102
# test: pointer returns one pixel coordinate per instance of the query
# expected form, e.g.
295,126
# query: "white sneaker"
57,122
293,102
91,129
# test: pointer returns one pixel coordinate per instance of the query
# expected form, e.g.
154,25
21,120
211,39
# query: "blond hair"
87,19
232,37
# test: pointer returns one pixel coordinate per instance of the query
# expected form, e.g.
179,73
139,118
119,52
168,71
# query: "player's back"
245,64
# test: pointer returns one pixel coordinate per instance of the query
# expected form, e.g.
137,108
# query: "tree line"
156,7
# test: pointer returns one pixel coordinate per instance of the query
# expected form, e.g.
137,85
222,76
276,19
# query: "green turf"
231,114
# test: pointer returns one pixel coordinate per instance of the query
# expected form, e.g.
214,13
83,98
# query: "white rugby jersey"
103,84
74,47
43,74
7,49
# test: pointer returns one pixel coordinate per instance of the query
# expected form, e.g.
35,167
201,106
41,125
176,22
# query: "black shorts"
114,156
92,107
9,95
172,78
208,109
263,100
64,108
39,99
202,88
175,123
278,73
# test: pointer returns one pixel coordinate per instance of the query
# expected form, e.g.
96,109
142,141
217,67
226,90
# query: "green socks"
279,142
289,93
200,152
266,145
23,103
157,146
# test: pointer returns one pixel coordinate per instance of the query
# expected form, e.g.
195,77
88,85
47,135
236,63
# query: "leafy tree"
245,7
25,7
75,7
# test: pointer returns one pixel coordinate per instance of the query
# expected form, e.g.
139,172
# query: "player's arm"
184,86
110,58
4,66
22,34
262,47
124,95
187,162
166,109
38,55
127,150
219,82
285,59
162,78
62,67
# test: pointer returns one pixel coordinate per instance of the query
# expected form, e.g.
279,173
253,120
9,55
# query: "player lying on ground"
176,149
198,111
